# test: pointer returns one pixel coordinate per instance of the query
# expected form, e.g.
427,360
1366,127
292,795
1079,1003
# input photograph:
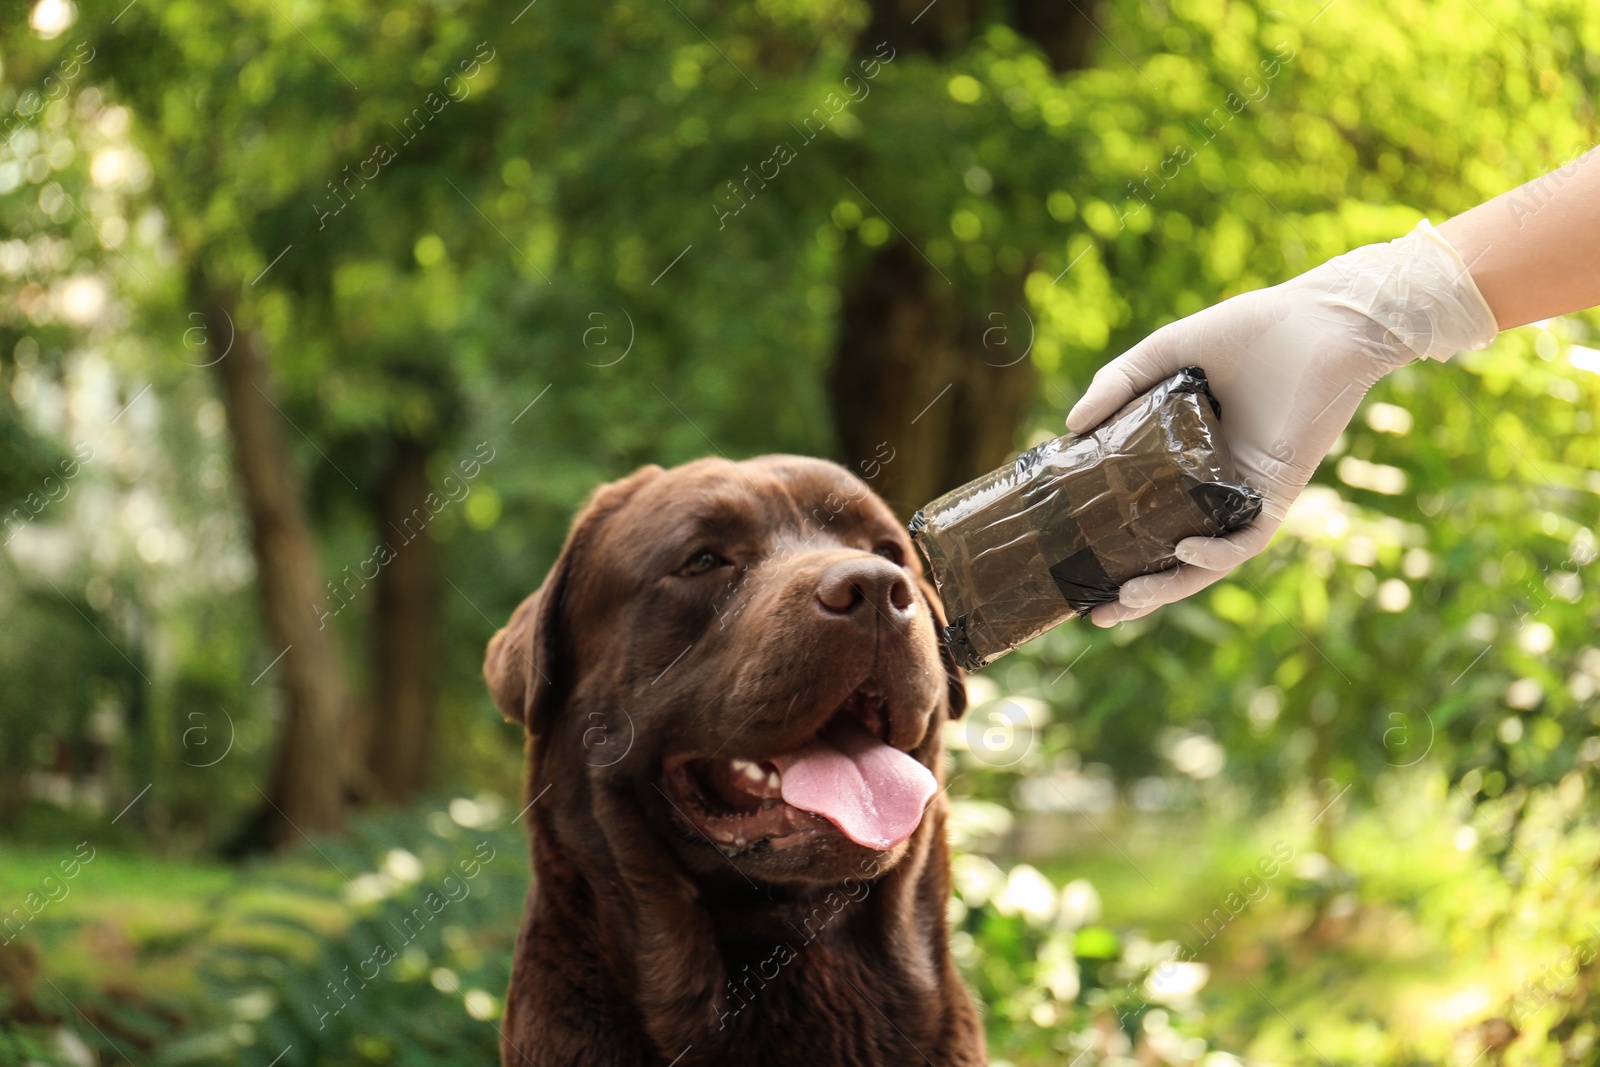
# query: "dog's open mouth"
846,775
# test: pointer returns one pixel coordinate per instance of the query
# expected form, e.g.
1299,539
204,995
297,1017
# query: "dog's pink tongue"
874,792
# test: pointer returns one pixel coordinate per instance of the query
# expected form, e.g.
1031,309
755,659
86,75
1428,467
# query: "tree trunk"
914,373
921,365
1063,31
921,28
405,632
306,789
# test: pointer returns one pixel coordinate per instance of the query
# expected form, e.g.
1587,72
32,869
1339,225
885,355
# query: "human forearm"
1534,252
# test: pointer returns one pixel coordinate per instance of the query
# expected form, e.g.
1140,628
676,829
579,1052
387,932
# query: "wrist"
1419,292
1470,319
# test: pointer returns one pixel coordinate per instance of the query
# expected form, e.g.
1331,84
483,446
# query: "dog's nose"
865,587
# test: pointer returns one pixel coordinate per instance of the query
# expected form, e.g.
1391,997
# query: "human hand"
1289,365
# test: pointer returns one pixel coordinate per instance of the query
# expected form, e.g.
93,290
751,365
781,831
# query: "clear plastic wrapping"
1058,530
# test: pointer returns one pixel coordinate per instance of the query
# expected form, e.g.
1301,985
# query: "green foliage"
408,969
1412,660
522,239
1250,943
390,946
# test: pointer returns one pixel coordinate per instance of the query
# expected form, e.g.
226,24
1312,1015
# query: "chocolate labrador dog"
733,692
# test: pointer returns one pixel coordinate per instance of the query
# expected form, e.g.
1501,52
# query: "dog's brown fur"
644,944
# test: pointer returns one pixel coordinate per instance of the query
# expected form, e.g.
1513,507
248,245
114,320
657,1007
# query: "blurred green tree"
563,236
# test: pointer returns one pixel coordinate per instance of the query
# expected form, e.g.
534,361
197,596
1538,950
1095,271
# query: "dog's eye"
702,561
890,552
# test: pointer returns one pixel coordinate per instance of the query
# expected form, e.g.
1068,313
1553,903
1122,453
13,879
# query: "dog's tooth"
768,805
774,781
749,770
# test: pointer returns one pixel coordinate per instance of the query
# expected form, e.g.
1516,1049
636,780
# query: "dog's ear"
509,663
524,665
955,677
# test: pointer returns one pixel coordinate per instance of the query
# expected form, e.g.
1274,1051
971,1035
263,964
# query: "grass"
1397,954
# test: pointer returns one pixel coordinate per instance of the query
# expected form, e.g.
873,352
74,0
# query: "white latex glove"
1289,365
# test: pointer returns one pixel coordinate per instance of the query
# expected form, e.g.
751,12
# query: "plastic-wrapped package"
1057,531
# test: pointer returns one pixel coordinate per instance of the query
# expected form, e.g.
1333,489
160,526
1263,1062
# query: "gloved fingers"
1227,551
1140,596
1108,615
1124,378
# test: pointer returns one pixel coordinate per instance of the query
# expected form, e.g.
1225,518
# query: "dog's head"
740,660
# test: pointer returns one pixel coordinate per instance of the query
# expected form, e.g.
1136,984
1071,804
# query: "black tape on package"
1059,529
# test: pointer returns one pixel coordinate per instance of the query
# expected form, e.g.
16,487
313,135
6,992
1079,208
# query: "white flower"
1176,980
1080,904
1029,894
403,866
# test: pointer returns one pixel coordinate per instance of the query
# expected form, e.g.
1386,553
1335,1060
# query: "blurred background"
319,319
